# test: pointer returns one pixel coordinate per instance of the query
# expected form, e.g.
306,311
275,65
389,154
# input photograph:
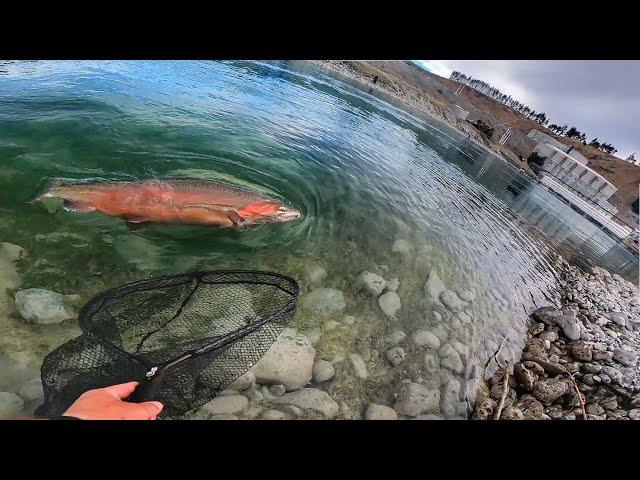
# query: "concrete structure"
569,167
458,111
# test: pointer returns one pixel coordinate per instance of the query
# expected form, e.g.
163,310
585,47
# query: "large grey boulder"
323,301
571,326
289,361
37,305
310,399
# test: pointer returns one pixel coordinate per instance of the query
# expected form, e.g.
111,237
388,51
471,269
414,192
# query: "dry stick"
580,397
495,355
505,390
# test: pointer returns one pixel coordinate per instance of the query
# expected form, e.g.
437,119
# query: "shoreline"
580,361
411,97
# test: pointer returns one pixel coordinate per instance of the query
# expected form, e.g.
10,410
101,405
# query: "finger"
122,390
153,409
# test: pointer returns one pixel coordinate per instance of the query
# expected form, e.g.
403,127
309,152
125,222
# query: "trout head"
267,212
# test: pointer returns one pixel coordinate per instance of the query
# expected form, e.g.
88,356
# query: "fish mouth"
289,216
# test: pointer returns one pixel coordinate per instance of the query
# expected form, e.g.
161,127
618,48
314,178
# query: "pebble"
380,412
371,283
425,338
322,371
359,366
311,399
413,399
36,305
390,304
396,356
228,404
396,337
450,300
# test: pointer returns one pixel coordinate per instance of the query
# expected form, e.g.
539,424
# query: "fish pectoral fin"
72,206
136,219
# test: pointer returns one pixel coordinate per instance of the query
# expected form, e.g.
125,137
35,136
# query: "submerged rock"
372,284
380,412
358,365
322,371
434,286
227,404
289,361
10,405
41,306
393,284
450,300
311,399
425,338
414,399
401,246
390,304
315,274
323,301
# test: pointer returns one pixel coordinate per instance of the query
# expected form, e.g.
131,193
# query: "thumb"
122,390
152,408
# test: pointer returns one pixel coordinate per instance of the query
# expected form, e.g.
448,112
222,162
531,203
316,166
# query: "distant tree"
573,133
595,143
484,128
632,158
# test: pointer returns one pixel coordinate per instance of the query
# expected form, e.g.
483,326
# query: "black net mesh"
200,331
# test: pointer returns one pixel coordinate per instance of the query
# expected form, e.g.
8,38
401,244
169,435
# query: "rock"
396,355
311,399
451,301
322,371
571,326
602,356
536,328
424,338
37,305
525,377
315,274
278,390
593,368
616,375
401,246
618,318
547,391
289,361
274,415
531,408
625,357
393,284
450,358
594,409
243,382
484,410
323,301
10,405
634,414
396,337
380,412
390,304
372,284
466,295
32,390
414,399
550,335
358,366
546,315
450,397
434,286
330,325
227,404
348,319
511,413
581,351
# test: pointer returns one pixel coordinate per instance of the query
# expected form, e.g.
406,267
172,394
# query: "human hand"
107,404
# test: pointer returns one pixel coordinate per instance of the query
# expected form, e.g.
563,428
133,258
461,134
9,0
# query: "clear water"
364,172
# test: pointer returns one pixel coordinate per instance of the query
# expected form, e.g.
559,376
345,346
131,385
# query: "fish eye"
282,209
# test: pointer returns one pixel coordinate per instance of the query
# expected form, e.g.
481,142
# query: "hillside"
625,176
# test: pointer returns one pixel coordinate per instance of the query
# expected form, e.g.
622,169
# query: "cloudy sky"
601,98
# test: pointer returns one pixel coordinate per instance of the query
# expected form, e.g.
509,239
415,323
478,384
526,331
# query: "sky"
600,97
